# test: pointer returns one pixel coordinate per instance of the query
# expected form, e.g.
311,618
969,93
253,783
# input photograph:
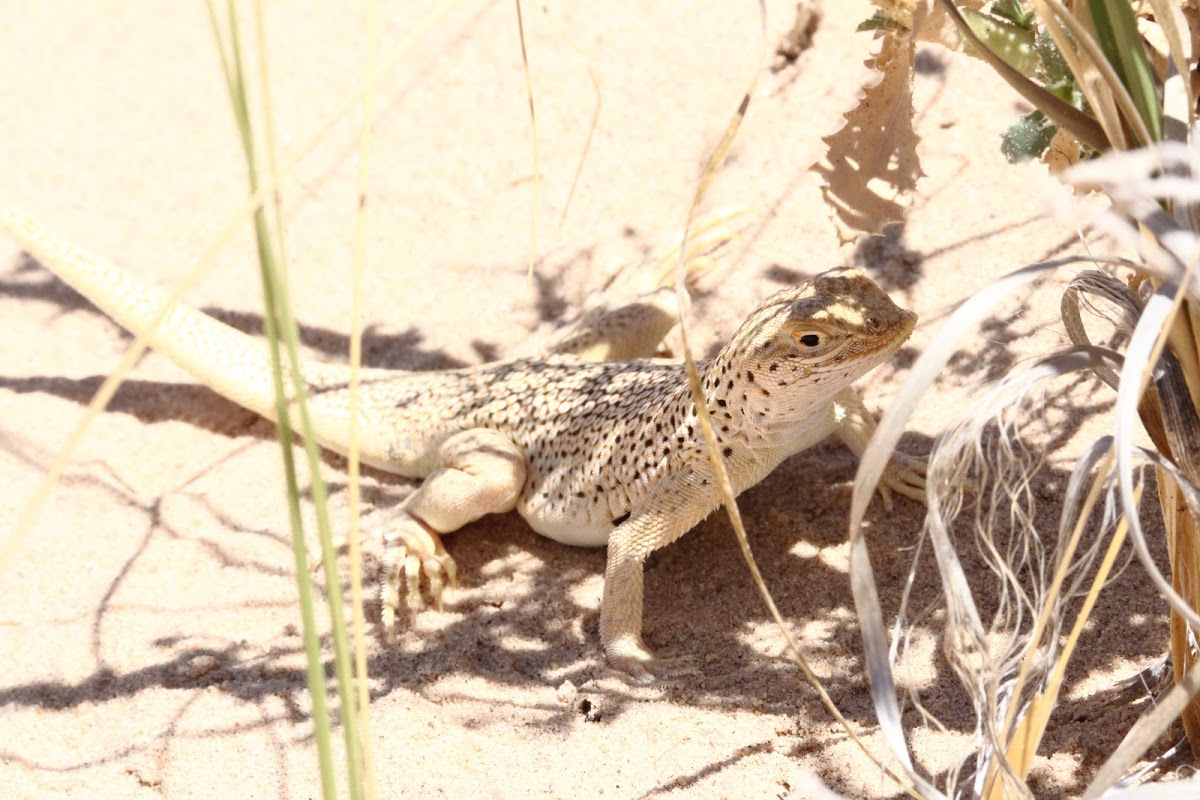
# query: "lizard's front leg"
670,511
904,474
481,472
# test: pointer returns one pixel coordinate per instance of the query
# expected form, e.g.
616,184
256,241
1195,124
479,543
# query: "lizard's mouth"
886,344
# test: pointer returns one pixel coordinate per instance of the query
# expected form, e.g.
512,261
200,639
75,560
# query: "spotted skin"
588,452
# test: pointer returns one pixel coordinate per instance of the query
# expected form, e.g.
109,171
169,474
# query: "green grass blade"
356,333
1063,114
1116,29
278,299
275,326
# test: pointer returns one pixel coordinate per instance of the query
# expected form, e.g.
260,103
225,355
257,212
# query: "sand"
150,628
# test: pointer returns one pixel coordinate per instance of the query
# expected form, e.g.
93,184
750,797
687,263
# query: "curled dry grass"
1012,662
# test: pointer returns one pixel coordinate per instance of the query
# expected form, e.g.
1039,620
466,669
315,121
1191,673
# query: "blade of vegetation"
1143,734
979,478
1117,32
1013,43
721,476
704,236
1147,730
963,624
1144,348
1085,128
1168,790
1179,97
282,334
361,679
1095,75
870,471
562,34
1169,15
1123,312
1141,184
536,210
315,672
1023,742
1181,551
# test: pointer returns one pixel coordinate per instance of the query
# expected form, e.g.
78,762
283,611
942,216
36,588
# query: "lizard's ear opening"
813,343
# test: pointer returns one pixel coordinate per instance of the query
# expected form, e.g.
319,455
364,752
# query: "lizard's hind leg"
635,329
481,472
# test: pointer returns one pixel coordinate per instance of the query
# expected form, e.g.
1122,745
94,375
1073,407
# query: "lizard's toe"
639,665
439,570
412,580
905,475
412,551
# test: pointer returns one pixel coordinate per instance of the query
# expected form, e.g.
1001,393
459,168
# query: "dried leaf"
871,165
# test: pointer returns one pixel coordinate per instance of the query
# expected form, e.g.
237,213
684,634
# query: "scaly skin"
588,452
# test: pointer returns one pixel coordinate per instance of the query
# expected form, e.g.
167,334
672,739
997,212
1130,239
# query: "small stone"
200,666
566,692
591,709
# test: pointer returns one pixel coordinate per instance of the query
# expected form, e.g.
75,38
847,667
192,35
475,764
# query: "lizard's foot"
641,666
904,475
412,549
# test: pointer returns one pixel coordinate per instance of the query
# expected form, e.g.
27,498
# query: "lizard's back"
596,435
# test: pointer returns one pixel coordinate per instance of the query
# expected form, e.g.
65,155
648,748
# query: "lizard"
589,452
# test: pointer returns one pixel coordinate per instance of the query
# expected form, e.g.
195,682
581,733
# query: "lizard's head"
829,330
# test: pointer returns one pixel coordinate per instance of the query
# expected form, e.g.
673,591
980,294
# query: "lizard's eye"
816,344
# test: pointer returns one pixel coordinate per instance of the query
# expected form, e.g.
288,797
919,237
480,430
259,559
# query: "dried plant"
1104,77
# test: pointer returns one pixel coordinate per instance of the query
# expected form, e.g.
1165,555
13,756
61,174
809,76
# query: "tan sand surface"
150,629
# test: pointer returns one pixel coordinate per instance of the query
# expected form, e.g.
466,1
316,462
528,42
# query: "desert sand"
150,629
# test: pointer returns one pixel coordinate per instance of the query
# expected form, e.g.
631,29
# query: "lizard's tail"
224,359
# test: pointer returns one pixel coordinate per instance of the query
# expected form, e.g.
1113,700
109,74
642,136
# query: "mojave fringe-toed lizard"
588,452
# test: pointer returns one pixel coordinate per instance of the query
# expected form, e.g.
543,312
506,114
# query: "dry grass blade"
1143,734
536,202
1182,553
706,235
918,787
1187,787
1089,288
1169,16
1140,185
1144,347
870,471
1179,96
966,630
1144,350
981,472
1147,730
561,32
1025,738
1093,289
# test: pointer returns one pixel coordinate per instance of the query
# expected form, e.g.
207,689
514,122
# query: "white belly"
573,524
578,532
